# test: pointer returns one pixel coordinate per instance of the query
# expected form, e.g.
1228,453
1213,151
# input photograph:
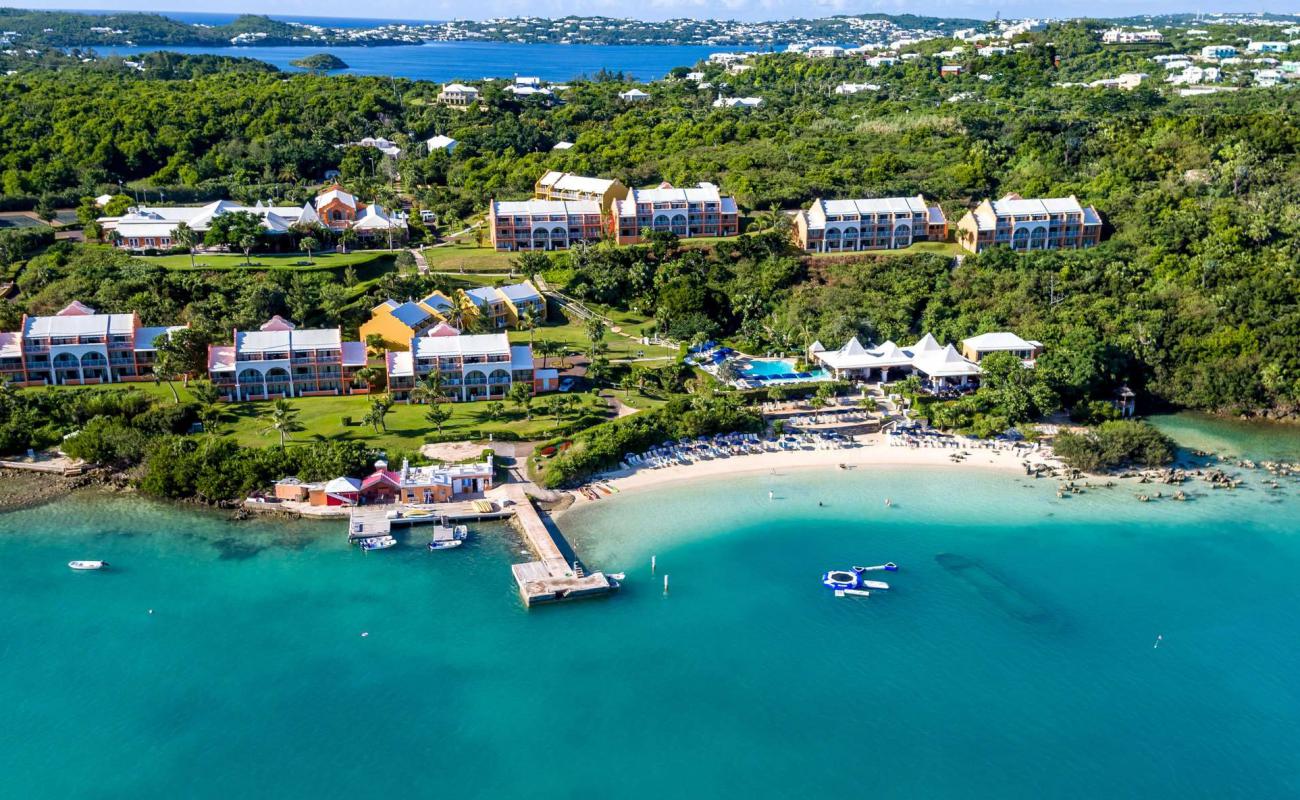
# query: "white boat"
446,537
378,543
87,564
618,576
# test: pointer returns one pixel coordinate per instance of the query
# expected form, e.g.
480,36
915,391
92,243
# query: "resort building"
543,224
1058,223
698,211
500,307
278,360
473,367
567,186
976,347
458,94
79,346
884,223
1217,51
398,323
634,96
149,228
940,367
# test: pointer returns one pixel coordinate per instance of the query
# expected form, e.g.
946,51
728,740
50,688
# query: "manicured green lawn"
407,429
297,261
322,418
467,258
573,336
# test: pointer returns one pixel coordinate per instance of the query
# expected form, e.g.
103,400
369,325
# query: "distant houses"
458,95
441,143
883,223
1022,224
738,102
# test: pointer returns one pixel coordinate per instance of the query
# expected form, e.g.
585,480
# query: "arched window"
499,376
1020,239
475,378
902,236
1038,238
661,222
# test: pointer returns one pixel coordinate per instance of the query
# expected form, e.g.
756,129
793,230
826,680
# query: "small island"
320,62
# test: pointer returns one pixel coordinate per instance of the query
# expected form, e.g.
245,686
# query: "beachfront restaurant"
940,367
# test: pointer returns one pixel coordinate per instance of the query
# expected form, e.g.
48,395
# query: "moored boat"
83,565
377,543
445,537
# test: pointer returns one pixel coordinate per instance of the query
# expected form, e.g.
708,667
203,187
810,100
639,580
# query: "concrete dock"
550,579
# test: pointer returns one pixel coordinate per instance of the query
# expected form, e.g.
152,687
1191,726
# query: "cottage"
976,347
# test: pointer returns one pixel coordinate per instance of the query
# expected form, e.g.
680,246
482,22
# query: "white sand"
874,454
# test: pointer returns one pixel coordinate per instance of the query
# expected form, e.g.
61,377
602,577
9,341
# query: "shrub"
1114,444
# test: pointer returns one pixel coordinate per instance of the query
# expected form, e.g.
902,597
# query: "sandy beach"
874,453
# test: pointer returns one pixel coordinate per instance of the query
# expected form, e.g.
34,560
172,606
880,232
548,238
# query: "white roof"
11,345
568,182
546,207
943,363
562,145
336,193
516,292
1000,340
277,340
926,343
441,142
633,93
80,325
876,205
374,218
464,345
854,356
1014,206
343,486
400,365
144,337
703,193
459,88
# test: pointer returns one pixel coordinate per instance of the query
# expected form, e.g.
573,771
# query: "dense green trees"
1114,444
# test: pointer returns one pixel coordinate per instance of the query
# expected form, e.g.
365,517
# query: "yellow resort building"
567,186
399,323
500,307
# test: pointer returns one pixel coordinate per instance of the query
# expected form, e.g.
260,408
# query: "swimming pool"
779,369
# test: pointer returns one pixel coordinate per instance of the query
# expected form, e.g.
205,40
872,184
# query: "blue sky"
662,9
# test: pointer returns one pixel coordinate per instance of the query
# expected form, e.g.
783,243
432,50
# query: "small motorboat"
83,565
445,537
618,576
377,543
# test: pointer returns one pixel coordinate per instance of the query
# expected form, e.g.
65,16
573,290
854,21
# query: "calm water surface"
446,61
1013,658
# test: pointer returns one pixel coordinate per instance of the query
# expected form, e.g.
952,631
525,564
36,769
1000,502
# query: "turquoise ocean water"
1014,657
445,61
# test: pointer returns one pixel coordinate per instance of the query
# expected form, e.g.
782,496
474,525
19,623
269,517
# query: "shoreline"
872,452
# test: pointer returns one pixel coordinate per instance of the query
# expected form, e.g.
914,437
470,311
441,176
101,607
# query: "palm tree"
528,322
346,237
366,375
429,389
309,243
379,408
185,236
547,347
247,243
282,419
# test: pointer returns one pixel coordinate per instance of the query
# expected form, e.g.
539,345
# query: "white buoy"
665,583
1158,638
771,496
652,565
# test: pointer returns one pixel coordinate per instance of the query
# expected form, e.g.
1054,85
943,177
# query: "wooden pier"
550,579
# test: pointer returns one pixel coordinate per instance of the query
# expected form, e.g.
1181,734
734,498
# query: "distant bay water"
446,61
